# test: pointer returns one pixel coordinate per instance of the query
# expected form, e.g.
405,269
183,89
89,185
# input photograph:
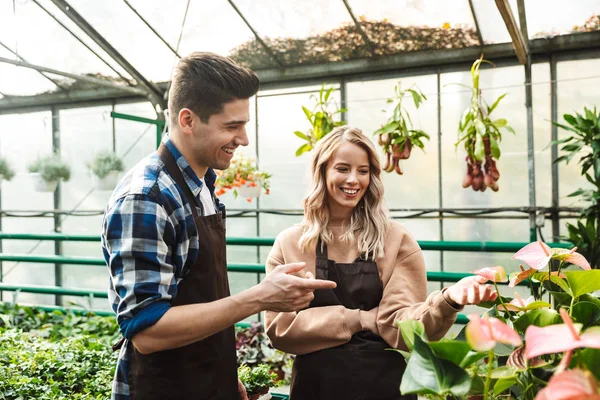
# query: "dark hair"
204,82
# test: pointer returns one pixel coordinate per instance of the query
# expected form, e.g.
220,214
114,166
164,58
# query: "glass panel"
542,131
131,37
134,140
417,24
49,44
278,145
300,32
555,17
19,195
492,26
513,161
418,186
578,86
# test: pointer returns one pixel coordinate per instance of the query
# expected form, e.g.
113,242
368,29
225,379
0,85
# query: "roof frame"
81,41
519,43
476,21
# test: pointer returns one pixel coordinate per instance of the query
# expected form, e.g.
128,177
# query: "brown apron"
206,369
361,369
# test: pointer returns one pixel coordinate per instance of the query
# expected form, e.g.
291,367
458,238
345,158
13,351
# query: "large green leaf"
408,330
586,313
541,318
591,359
303,149
451,350
503,384
583,282
472,357
427,374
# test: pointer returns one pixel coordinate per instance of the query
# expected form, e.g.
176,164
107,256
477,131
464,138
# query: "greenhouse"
485,115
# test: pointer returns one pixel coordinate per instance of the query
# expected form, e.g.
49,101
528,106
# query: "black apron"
361,369
206,369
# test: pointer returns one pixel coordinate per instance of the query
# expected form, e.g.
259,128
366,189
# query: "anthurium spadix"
559,338
483,333
538,254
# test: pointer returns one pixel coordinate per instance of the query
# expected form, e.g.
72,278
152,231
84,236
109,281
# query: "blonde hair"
370,216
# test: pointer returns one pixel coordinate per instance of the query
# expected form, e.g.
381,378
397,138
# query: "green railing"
432,276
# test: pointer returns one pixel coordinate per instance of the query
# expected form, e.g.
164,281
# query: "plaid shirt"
149,241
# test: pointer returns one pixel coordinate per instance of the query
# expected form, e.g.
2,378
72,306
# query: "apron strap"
321,249
171,164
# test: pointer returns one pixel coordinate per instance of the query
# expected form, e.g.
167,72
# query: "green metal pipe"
427,245
53,290
51,259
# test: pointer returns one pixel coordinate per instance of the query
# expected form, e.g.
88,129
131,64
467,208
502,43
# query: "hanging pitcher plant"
397,137
481,137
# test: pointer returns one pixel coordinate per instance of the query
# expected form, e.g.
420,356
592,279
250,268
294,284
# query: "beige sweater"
402,272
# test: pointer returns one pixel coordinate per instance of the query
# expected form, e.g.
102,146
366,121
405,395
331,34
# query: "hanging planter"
106,168
47,171
397,137
481,137
243,178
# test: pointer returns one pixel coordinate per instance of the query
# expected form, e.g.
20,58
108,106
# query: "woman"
347,237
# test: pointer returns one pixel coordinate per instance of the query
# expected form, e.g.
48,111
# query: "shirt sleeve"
405,297
137,237
312,329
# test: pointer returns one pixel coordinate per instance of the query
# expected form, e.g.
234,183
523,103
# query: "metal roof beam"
84,78
155,94
360,29
22,59
256,35
518,42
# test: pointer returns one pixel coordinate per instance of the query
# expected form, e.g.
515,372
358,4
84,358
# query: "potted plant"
521,348
47,171
6,172
105,168
481,137
585,138
257,380
397,137
320,118
243,177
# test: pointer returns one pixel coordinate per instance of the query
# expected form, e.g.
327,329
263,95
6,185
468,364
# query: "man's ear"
186,120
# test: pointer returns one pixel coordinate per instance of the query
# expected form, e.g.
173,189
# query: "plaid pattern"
149,241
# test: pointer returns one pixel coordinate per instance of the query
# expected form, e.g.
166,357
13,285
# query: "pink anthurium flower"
559,338
570,385
494,274
518,277
483,333
538,254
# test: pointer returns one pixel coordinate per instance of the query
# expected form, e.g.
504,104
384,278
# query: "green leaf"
504,372
541,318
451,350
503,384
303,149
510,129
301,135
591,359
408,330
328,93
472,357
493,106
586,313
427,374
499,123
308,114
582,282
495,148
479,148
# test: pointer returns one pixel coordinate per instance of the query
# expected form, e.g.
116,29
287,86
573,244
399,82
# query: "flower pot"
109,182
41,185
246,190
403,152
263,394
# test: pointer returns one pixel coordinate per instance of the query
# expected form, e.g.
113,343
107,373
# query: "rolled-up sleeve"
137,237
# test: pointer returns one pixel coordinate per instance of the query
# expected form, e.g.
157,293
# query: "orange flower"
249,199
252,184
220,192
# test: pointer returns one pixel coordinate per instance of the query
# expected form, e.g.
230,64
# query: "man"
164,242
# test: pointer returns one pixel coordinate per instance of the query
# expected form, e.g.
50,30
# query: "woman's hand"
470,290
